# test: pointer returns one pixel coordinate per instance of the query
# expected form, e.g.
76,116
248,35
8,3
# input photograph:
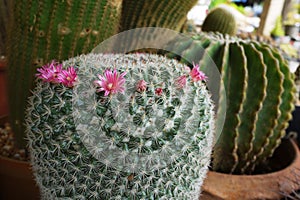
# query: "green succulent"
259,97
220,20
41,31
4,21
148,137
170,14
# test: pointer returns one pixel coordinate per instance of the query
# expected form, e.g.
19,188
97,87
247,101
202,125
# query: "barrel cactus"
115,126
259,97
220,20
42,30
170,14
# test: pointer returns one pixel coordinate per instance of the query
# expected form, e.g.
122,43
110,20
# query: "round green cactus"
220,20
134,126
259,97
166,14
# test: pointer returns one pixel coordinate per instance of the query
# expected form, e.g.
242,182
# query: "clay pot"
273,185
16,180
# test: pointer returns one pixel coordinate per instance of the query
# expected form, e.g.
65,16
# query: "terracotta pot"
16,178
3,91
261,186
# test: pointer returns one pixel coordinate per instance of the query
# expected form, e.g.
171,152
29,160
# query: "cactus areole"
115,126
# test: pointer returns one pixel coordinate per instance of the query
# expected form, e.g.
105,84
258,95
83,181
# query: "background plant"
221,20
165,116
165,14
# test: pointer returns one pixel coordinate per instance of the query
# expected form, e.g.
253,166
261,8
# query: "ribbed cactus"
142,130
4,21
42,30
259,97
170,14
220,20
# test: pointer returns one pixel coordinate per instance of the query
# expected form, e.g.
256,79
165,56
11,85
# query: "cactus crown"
144,132
259,98
220,20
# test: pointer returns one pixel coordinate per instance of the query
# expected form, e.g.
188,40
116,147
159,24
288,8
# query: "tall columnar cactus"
220,20
42,30
134,126
4,21
170,14
259,97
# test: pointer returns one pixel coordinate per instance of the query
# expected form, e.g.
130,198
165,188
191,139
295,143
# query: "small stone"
22,152
4,137
7,147
17,156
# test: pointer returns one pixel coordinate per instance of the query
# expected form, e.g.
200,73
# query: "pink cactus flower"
141,86
68,77
111,82
180,82
49,72
158,91
196,74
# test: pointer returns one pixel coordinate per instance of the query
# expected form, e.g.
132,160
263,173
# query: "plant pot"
273,185
3,91
16,178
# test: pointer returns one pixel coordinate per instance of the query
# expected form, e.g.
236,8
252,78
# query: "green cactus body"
165,14
74,133
259,97
41,31
220,20
4,21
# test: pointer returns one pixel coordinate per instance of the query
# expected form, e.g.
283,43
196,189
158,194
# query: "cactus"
220,20
170,14
146,134
44,30
259,97
4,21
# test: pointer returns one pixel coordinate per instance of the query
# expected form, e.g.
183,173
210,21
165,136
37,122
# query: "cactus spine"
70,129
259,94
220,20
45,30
